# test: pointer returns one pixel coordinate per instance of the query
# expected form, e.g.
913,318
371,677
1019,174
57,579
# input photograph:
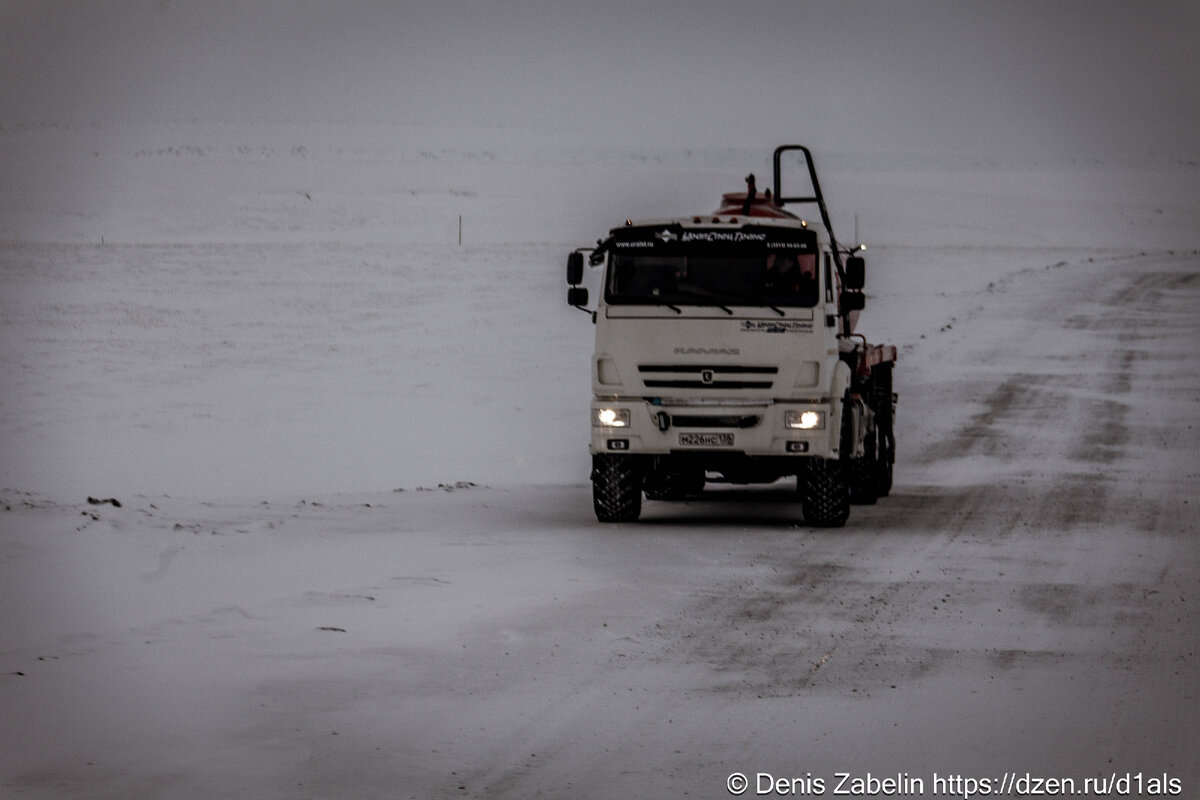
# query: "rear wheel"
616,487
883,469
863,472
882,402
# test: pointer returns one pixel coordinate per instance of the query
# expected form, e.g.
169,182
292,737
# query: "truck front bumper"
786,428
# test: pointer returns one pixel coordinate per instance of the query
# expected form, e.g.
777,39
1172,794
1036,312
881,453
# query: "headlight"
611,417
804,420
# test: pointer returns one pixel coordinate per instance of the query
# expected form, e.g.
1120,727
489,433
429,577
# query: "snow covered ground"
354,554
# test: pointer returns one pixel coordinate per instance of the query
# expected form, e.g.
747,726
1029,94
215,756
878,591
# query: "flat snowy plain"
355,555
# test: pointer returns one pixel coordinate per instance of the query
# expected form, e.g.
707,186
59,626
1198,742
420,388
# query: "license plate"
706,439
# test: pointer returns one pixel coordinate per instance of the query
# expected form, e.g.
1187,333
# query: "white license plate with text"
706,439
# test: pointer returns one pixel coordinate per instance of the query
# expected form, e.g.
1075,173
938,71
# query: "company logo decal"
723,236
707,351
768,326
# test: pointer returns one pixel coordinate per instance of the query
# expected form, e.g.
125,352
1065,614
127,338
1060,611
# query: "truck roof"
761,205
723,220
735,211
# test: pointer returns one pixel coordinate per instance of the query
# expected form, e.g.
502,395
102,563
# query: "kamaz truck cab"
726,351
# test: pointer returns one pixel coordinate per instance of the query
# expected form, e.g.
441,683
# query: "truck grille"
729,421
693,376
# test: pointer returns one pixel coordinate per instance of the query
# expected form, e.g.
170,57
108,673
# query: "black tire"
616,487
882,405
825,496
883,470
863,476
863,482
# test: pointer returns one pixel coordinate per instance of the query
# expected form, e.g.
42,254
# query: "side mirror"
577,296
575,269
856,272
852,301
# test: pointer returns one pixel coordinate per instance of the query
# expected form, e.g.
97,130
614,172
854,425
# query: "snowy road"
1024,602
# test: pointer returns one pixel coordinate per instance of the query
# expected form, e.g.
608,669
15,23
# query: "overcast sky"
1088,77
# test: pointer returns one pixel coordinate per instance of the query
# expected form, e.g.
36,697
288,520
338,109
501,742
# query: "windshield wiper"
644,300
758,300
703,295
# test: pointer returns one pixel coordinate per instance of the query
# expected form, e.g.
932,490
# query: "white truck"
726,351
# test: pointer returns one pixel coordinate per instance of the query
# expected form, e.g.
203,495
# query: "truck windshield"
773,279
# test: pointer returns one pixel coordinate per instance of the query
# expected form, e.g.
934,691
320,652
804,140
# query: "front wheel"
825,483
824,494
616,487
